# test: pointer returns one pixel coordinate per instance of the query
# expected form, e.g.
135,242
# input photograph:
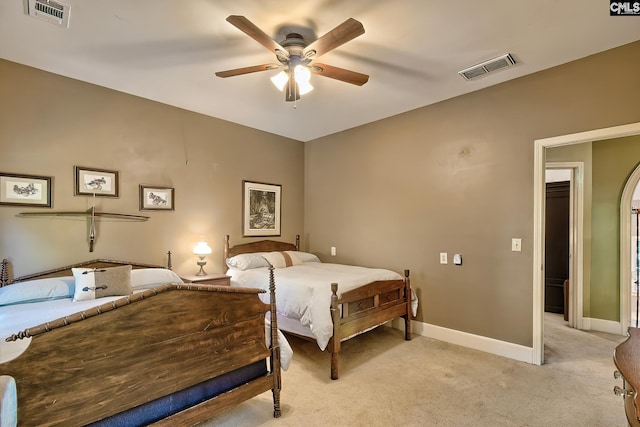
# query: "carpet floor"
386,381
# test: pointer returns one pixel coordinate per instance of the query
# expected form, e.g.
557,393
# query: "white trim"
538,216
539,190
625,250
601,325
476,342
490,345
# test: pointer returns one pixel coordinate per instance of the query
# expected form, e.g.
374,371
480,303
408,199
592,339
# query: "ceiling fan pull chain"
295,92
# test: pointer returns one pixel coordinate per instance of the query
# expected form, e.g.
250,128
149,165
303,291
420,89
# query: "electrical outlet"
443,257
516,245
333,251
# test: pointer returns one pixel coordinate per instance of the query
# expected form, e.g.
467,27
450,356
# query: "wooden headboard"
96,263
260,246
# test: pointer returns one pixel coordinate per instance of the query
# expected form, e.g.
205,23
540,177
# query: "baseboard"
476,342
600,325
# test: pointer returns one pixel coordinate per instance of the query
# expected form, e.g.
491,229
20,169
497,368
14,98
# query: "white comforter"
303,292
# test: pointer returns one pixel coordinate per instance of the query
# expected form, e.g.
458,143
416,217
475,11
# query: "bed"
168,353
328,303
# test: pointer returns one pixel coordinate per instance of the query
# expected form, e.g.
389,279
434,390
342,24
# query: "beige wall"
50,123
457,177
453,177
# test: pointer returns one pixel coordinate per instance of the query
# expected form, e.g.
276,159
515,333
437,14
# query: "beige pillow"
101,282
282,259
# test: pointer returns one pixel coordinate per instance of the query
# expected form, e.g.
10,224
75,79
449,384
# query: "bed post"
275,346
334,342
225,254
169,264
408,295
297,242
4,275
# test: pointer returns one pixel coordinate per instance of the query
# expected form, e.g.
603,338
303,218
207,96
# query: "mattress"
303,292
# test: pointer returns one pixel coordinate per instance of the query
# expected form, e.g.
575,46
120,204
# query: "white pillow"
92,283
247,261
37,290
144,278
306,256
282,259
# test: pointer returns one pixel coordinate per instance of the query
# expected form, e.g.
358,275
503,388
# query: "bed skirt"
163,407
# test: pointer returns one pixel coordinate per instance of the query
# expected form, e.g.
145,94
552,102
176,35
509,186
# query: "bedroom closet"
557,247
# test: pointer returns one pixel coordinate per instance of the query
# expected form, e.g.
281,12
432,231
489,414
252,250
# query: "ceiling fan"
296,57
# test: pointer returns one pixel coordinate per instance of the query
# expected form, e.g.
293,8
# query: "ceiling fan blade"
339,74
348,30
247,70
250,29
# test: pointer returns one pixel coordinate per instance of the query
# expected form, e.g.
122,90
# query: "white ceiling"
169,50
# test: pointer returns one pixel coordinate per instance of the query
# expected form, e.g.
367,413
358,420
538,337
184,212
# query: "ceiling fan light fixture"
280,80
302,76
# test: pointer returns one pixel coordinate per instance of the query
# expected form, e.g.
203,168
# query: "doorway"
629,250
572,173
556,246
537,355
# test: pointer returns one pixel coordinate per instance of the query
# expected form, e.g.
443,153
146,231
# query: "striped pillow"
92,283
282,259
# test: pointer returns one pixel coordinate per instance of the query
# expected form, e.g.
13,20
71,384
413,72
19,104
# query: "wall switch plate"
443,257
457,259
333,251
516,245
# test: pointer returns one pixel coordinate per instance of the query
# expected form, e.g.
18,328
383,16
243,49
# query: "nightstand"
210,279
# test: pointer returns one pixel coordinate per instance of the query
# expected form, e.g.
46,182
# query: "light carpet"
386,381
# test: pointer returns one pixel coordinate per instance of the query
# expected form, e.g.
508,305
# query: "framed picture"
153,198
261,209
98,182
25,190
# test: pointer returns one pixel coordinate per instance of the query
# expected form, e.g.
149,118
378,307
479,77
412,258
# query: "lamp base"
201,272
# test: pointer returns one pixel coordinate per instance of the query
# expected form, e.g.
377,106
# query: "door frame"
539,190
625,249
576,239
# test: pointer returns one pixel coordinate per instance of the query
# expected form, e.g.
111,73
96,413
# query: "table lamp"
202,250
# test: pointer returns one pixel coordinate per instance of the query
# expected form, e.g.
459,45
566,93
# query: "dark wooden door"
556,245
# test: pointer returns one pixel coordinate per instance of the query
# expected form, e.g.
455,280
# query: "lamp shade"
280,80
202,249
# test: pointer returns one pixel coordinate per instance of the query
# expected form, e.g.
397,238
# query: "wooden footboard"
98,363
366,307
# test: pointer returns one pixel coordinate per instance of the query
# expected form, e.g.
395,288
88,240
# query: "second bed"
325,302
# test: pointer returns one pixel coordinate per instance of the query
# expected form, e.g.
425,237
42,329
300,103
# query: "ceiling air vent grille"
50,11
489,66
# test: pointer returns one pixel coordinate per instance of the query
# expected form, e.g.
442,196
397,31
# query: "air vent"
489,66
52,12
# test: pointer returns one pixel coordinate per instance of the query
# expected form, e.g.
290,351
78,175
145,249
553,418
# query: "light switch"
457,259
516,245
